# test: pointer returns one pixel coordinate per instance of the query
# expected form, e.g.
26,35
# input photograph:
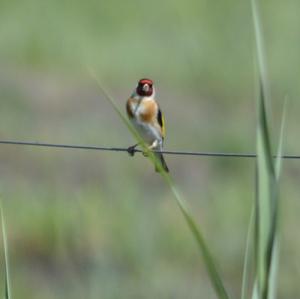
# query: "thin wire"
120,149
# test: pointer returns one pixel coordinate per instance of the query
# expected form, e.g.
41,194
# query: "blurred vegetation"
102,225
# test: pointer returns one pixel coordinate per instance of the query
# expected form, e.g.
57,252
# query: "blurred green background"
84,224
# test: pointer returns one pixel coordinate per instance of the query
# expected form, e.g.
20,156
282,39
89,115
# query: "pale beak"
146,87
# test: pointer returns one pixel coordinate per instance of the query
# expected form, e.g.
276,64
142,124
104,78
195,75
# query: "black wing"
161,121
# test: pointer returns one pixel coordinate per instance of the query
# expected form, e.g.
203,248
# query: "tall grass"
267,181
7,289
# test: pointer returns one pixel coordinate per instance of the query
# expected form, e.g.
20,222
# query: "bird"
147,118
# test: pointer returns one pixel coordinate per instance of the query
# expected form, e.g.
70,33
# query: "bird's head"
145,88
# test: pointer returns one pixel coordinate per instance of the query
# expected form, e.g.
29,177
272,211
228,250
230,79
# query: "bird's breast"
142,110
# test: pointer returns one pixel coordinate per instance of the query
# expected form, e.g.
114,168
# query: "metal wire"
121,149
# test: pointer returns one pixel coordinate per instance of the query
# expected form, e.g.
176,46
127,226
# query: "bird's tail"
160,157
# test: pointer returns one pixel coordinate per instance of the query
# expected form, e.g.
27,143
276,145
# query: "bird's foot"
131,150
150,148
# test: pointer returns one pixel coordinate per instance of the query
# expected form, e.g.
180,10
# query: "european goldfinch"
145,115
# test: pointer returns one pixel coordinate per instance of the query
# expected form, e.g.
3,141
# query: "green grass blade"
278,164
266,206
207,256
7,294
255,291
213,273
260,55
246,267
274,270
266,201
275,250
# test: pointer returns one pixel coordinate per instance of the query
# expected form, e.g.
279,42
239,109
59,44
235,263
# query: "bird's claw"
131,150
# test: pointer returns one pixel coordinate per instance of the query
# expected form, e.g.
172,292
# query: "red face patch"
146,81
